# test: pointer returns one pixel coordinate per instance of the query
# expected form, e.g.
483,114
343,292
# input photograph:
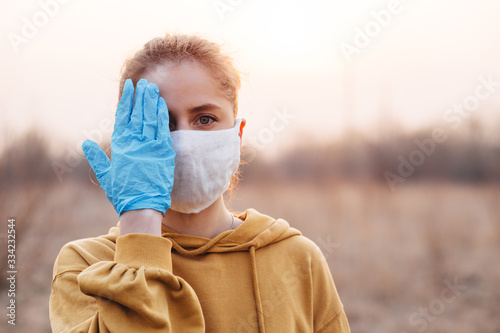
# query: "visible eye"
206,120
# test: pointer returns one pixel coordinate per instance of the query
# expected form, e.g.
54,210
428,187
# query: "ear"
242,125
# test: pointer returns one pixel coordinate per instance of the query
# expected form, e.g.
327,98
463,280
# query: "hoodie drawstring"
200,250
256,291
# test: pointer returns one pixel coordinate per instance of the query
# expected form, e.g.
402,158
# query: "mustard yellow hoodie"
262,277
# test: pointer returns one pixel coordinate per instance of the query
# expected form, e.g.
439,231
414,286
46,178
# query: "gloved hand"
141,171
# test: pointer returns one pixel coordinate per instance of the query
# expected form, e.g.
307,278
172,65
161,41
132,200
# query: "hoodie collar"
257,230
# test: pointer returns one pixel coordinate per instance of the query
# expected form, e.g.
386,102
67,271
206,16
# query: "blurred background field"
393,253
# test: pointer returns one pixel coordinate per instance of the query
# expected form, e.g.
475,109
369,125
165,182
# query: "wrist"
145,221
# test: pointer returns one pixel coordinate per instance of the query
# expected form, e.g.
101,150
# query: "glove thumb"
97,158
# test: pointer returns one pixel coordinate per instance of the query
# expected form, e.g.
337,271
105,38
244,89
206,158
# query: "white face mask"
205,161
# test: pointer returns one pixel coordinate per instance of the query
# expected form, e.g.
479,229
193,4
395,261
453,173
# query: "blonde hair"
177,48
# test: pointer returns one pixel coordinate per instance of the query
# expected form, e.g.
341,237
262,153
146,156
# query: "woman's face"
193,99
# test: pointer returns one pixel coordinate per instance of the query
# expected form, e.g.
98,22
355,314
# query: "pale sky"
418,62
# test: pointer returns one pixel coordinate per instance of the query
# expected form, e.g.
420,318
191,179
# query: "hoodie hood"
257,231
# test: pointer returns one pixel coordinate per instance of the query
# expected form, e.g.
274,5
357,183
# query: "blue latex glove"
141,171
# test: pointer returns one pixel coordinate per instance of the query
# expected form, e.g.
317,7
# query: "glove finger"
150,112
136,117
163,122
124,108
98,160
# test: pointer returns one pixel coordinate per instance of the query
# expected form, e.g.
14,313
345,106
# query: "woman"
178,261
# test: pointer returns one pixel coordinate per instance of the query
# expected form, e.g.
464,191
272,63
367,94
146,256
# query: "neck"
208,223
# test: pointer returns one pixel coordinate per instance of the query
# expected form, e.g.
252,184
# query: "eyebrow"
204,107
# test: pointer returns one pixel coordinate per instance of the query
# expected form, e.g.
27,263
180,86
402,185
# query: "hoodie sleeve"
136,292
329,315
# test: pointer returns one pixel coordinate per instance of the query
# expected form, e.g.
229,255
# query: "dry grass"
389,251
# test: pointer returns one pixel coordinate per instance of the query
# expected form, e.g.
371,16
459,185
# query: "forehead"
186,77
